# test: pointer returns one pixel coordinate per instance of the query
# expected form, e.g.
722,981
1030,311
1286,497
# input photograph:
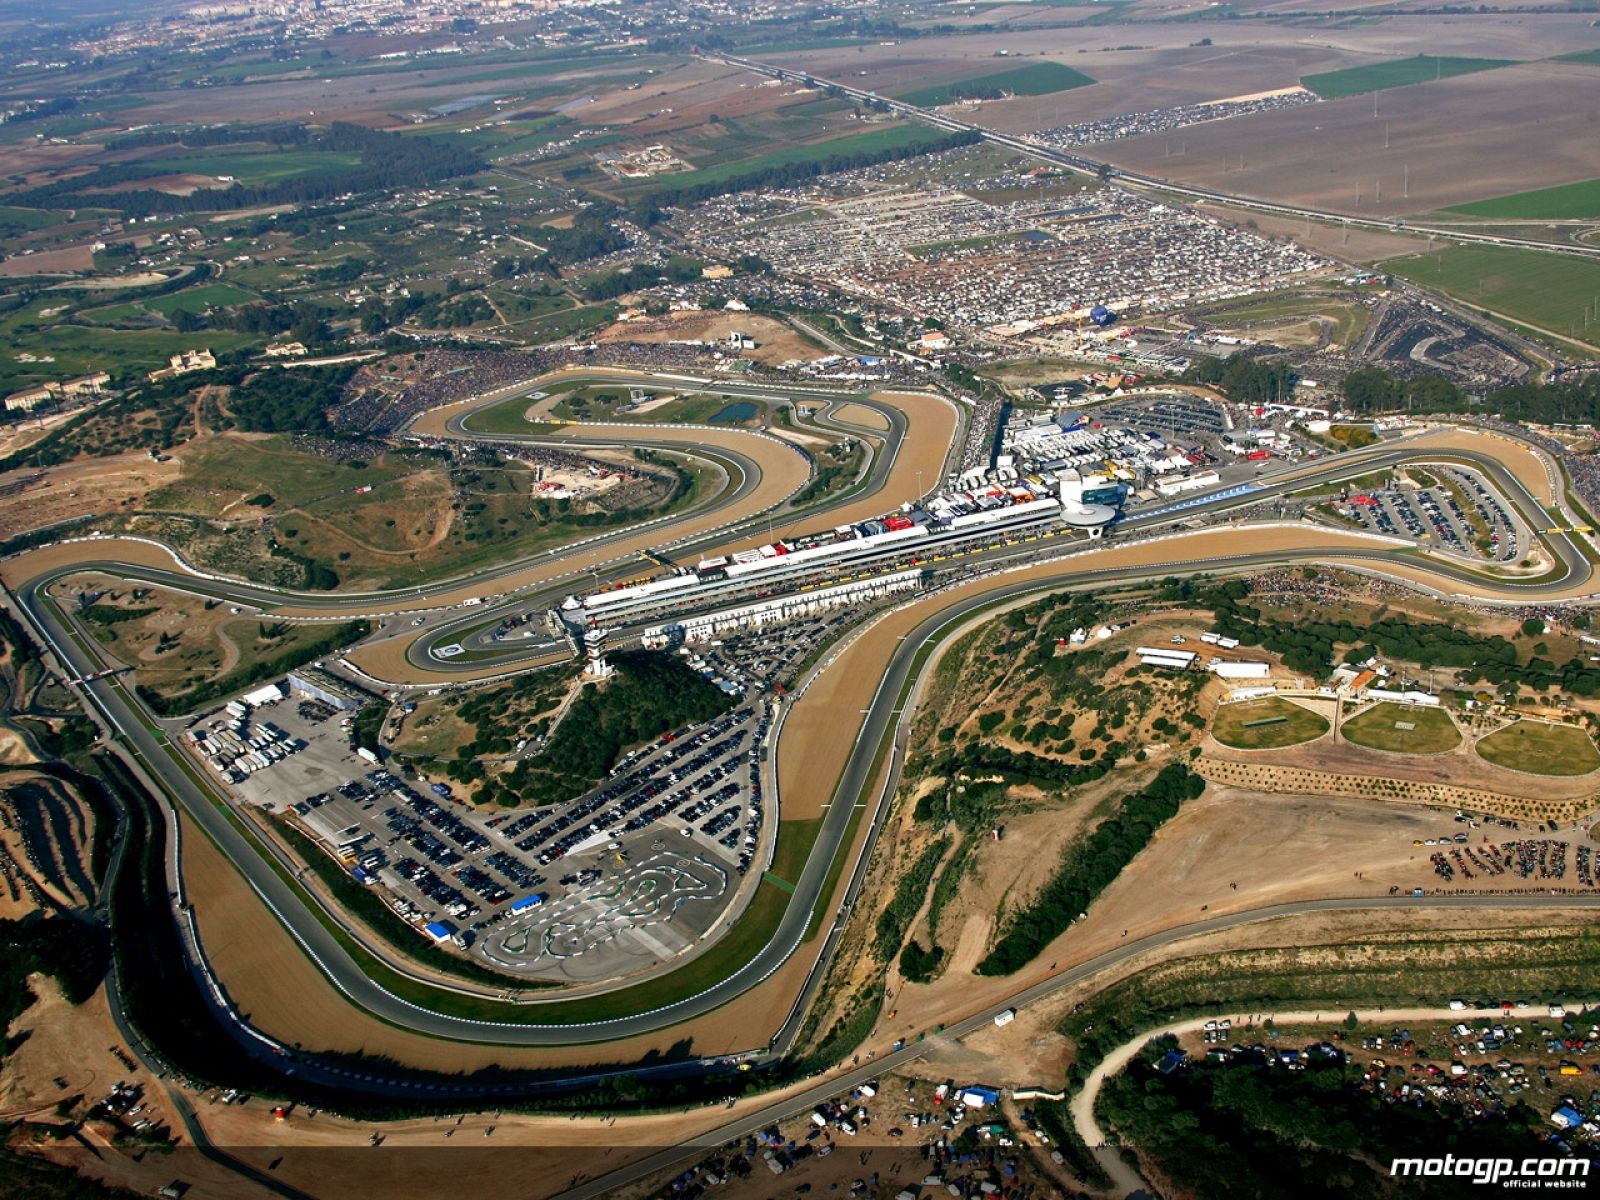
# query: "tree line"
388,161
1089,867
648,210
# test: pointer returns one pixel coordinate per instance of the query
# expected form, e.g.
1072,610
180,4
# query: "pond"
734,414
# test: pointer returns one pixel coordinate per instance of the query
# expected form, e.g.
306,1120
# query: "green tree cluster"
1089,867
651,695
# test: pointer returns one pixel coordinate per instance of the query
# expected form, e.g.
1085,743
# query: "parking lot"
1460,514
625,876
774,655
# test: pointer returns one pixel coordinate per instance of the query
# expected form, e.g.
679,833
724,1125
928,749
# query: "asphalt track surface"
147,743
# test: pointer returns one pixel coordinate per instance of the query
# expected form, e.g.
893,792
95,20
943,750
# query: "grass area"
1582,56
1564,201
1384,727
977,242
198,299
887,137
1349,318
608,402
1547,291
1541,749
259,167
1035,79
1400,72
795,839
220,471
1266,724
420,518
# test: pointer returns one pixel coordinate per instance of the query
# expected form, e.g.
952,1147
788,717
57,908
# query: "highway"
1089,166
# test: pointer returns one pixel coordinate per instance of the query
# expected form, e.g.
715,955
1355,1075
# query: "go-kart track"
662,905
827,763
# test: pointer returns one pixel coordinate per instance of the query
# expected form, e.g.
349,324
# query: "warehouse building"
330,689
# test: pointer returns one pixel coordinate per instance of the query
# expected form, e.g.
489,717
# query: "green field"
219,471
1401,72
25,220
1035,79
250,169
1284,724
903,133
1582,56
198,299
1541,749
1567,201
1349,317
78,349
1379,728
1533,287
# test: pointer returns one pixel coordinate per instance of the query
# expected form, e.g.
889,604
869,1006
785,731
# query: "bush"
918,965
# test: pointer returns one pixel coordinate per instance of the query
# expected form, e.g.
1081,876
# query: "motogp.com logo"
1506,1172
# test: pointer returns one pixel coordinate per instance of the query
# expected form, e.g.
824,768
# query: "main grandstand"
903,538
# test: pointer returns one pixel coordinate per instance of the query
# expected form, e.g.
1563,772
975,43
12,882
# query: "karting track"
874,665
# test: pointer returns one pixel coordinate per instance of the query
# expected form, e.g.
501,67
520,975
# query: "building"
185,363
29,399
330,689
1240,670
1088,501
269,694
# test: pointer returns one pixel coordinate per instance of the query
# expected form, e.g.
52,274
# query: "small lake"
734,414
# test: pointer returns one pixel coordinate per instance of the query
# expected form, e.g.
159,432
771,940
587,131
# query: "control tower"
1088,502
594,646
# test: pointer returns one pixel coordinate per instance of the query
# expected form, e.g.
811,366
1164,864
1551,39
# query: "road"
1125,1180
1089,166
840,1084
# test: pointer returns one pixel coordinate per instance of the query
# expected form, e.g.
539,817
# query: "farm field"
198,299
1384,727
1541,749
1548,291
1266,724
1379,77
1564,202
894,136
255,167
1458,141
1035,79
